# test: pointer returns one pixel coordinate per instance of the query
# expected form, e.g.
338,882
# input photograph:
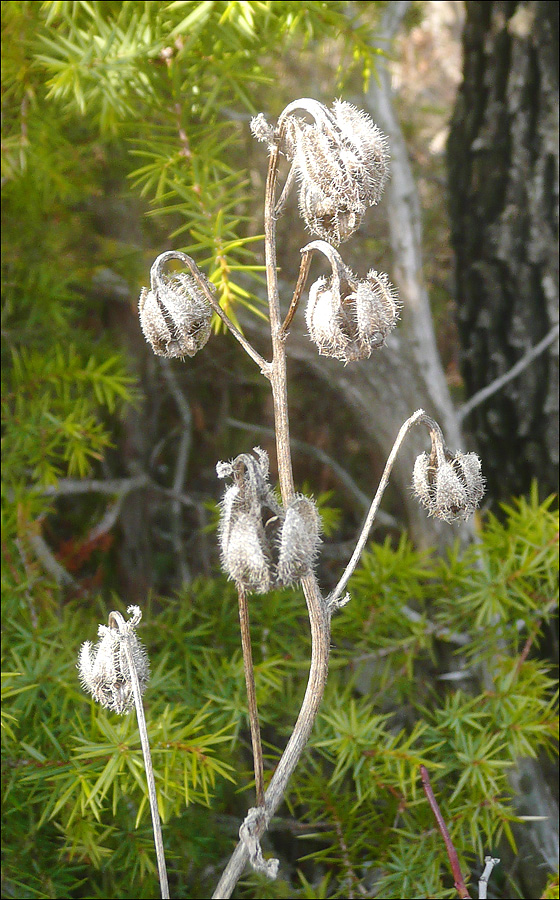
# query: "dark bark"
503,186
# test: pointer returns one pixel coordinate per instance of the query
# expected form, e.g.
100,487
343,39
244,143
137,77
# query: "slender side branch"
451,851
263,365
251,694
298,291
419,416
285,191
512,373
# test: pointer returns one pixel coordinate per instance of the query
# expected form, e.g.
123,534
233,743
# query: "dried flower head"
175,316
262,545
348,318
104,669
450,487
250,518
299,540
341,163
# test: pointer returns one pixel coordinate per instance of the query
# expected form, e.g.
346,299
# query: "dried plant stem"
251,694
320,637
302,278
489,863
418,416
451,851
319,616
117,621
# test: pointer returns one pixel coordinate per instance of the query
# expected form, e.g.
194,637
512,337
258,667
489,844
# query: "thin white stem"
418,416
117,620
490,862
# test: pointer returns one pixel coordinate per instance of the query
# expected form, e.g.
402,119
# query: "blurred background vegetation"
125,133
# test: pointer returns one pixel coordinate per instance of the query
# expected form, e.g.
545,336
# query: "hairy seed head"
175,316
104,668
449,487
299,540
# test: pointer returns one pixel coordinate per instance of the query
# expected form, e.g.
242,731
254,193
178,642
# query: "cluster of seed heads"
348,318
450,487
104,668
262,544
340,161
175,316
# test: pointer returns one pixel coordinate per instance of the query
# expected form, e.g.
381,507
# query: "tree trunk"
503,185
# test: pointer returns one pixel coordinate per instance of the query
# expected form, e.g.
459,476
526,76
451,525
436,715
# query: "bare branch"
508,376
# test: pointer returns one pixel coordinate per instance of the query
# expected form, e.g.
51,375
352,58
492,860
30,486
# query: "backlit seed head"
104,668
331,219
262,545
262,131
347,318
249,522
341,163
175,316
450,487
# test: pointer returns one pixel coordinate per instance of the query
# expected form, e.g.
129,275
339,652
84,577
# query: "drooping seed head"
249,522
449,487
348,318
341,163
104,668
175,315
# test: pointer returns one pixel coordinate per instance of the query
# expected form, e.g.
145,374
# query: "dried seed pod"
341,165
450,487
175,316
377,310
104,668
348,318
333,220
245,551
249,522
325,320
299,540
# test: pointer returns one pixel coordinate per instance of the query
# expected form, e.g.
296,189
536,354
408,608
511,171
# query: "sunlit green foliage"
73,780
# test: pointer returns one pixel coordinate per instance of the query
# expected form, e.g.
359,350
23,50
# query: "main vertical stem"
319,616
278,375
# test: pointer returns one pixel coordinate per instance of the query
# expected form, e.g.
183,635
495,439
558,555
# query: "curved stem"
418,416
298,291
320,636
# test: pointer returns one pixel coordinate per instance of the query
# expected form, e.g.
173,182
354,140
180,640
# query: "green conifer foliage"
434,661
